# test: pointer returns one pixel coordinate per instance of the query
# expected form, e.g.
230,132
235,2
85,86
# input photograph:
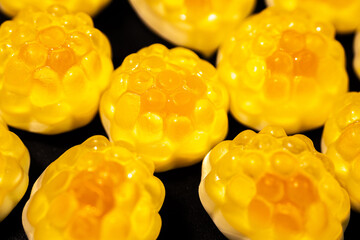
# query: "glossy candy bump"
14,168
197,24
342,14
11,8
341,143
55,65
168,104
284,69
273,186
96,190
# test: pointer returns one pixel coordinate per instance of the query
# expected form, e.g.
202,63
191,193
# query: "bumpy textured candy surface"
168,104
14,168
342,13
273,186
341,143
11,8
54,66
283,69
197,24
95,191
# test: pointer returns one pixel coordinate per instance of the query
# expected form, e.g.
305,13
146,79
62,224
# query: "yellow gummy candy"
168,104
92,7
197,24
273,186
95,191
284,69
341,143
343,14
14,168
55,65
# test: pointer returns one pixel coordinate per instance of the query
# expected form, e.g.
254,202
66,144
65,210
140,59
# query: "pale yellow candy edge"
323,146
356,49
209,206
12,199
29,229
9,202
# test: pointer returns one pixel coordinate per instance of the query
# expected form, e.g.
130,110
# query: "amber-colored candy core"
93,192
281,202
291,59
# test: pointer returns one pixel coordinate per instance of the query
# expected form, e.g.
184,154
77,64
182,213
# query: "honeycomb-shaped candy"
342,13
54,66
14,168
168,104
197,24
284,69
273,186
341,143
11,8
95,191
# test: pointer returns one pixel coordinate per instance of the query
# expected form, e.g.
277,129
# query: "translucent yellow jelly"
11,8
54,66
284,69
14,168
341,143
273,186
95,191
168,104
342,13
197,24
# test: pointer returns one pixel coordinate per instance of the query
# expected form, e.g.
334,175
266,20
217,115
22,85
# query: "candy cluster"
284,69
54,67
96,190
168,104
272,186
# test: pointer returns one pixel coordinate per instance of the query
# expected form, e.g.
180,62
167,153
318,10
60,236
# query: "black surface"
182,214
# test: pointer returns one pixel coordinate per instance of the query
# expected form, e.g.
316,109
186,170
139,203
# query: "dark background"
182,213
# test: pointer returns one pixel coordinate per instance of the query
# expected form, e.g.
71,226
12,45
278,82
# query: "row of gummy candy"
281,71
